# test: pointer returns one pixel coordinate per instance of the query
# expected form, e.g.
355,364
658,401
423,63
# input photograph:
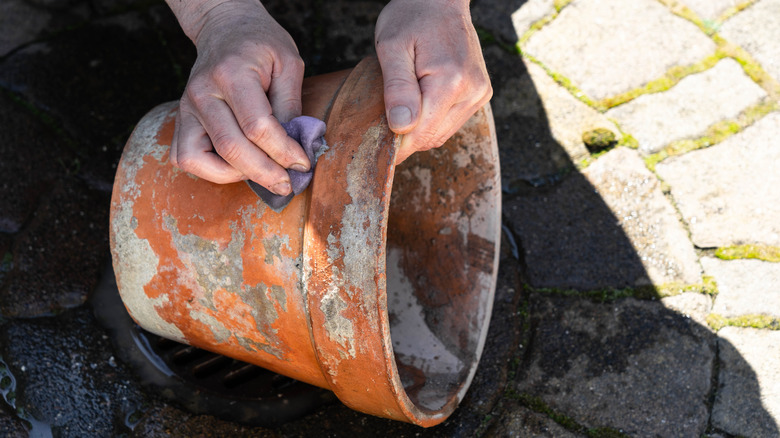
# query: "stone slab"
515,420
634,196
495,16
95,82
728,193
745,287
58,257
529,13
587,44
609,227
33,156
710,9
568,117
67,376
570,239
747,402
692,305
25,21
757,30
688,108
527,149
632,366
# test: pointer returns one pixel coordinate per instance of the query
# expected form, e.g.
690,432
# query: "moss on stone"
668,80
536,404
560,4
760,252
644,292
715,133
563,81
599,139
717,321
706,287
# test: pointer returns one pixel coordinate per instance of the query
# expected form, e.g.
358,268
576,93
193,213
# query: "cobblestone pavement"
639,288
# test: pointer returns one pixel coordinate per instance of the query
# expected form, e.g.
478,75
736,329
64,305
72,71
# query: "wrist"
193,15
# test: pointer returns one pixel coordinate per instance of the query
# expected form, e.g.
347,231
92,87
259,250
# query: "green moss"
647,292
533,29
670,78
536,404
602,295
599,139
563,81
751,67
717,322
759,252
706,287
560,4
715,133
730,12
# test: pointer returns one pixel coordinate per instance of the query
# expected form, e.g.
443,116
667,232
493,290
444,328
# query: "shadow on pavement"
569,353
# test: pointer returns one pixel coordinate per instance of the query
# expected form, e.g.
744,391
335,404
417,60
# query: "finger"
195,154
251,109
435,108
401,89
230,143
284,93
174,139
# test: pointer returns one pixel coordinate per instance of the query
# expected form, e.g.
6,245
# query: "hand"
434,74
246,79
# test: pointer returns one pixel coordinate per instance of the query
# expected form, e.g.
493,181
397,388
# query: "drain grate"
200,381
220,374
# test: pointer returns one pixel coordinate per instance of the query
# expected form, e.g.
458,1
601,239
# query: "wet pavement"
639,286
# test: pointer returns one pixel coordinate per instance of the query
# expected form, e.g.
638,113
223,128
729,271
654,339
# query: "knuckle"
224,72
257,129
226,147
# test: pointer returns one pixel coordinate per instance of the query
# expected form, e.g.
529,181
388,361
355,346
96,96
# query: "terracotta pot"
377,282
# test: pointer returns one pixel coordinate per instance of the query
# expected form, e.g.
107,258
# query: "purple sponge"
309,132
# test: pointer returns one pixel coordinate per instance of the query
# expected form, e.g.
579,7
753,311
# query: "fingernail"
298,167
400,116
282,188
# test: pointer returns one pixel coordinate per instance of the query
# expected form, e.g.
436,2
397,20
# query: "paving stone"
710,9
692,305
23,22
745,287
568,117
58,258
570,239
531,12
757,30
20,24
515,420
161,421
599,62
688,108
33,155
747,402
95,82
67,377
610,227
634,196
12,427
527,149
632,366
728,193
496,17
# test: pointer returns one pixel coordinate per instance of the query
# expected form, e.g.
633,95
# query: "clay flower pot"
377,282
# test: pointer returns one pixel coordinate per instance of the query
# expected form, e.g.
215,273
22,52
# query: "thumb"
402,91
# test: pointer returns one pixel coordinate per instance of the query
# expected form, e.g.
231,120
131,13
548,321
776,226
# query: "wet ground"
638,286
